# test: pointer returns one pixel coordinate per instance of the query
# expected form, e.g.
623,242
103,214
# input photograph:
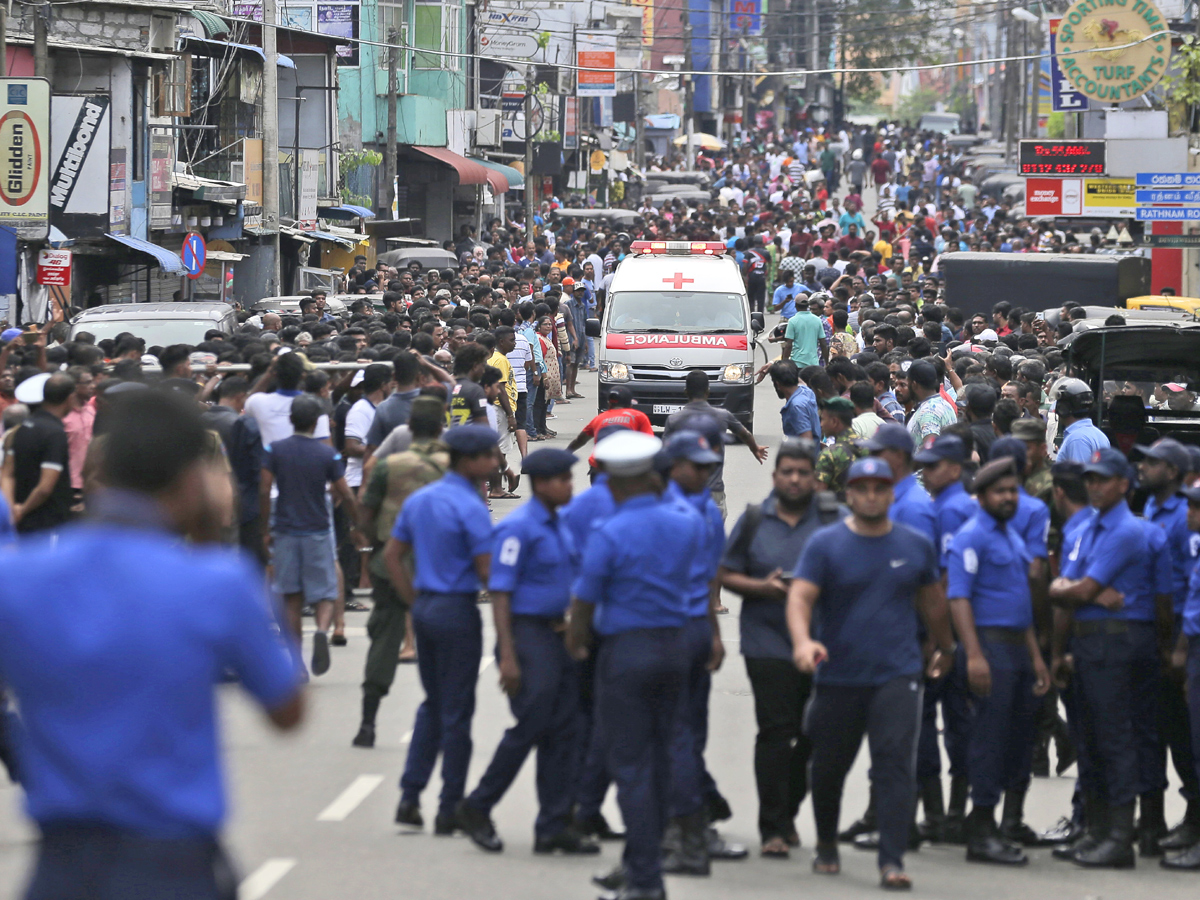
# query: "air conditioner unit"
487,128
162,33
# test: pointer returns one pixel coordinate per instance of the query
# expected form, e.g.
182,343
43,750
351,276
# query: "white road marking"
347,801
484,663
407,739
265,877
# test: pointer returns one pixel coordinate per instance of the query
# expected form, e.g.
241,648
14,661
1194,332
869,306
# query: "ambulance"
673,307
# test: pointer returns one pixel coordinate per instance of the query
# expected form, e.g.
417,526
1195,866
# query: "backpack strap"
751,519
827,507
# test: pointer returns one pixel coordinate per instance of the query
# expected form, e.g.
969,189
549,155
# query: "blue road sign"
1168,179
1168,196
1168,213
194,255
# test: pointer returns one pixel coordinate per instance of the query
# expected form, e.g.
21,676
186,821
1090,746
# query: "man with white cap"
629,591
41,485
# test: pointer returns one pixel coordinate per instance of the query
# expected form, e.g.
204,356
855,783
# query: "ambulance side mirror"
757,322
592,328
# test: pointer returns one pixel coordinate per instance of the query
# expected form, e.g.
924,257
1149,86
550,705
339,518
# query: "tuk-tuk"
1158,301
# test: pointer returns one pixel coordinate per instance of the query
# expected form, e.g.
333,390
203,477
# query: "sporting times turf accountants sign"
1113,50
25,156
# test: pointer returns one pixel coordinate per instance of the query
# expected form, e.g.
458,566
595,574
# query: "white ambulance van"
675,306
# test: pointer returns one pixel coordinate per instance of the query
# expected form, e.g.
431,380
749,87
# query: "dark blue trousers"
1146,695
449,638
1004,723
956,718
639,678
890,716
1193,692
545,709
1174,725
591,770
103,863
1104,676
690,780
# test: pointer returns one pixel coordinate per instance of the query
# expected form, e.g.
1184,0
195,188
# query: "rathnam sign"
1113,50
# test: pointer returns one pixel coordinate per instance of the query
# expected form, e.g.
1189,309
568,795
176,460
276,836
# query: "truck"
977,281
673,307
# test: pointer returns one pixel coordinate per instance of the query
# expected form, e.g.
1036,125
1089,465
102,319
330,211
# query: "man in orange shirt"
620,412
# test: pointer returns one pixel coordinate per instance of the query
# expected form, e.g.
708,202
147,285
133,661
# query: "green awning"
515,179
213,24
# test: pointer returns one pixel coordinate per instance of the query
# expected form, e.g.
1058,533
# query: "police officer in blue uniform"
992,607
447,528
690,460
629,591
852,613
1161,471
534,561
583,514
115,677
1106,598
1187,658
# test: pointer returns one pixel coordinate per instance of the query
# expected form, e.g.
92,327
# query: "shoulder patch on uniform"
971,561
510,551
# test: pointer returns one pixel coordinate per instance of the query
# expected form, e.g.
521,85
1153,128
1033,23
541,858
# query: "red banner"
649,341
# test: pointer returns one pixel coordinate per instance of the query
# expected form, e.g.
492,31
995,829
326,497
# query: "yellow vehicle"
1155,301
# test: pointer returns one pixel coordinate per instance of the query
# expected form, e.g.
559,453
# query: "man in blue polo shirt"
628,591
1074,405
447,528
783,301
115,678
854,626
1107,597
801,418
992,608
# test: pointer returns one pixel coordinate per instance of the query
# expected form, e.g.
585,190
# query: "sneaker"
320,654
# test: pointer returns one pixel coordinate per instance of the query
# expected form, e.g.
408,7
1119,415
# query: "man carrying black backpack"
759,558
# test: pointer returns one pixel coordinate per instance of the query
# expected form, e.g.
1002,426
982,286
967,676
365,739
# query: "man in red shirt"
620,412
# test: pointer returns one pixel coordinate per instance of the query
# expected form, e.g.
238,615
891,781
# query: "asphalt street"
311,816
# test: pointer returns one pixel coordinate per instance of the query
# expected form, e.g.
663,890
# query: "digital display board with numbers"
1061,158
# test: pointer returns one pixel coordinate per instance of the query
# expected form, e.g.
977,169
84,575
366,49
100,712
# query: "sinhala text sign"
1113,50
25,156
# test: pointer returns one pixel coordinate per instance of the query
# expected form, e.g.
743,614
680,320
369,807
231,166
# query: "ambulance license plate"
665,409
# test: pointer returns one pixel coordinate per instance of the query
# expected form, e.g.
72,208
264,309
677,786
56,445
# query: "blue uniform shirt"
1113,550
708,557
989,566
953,507
1032,523
912,507
1191,606
448,525
534,560
1074,525
865,613
587,510
800,413
1171,517
635,564
1080,440
115,676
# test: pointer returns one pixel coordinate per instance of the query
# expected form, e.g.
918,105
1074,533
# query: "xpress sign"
79,180
25,156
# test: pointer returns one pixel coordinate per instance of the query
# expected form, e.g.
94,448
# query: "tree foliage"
888,34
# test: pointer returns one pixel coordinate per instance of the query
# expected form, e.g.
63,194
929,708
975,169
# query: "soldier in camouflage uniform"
837,414
392,481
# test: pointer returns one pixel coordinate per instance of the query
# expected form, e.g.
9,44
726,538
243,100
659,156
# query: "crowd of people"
930,462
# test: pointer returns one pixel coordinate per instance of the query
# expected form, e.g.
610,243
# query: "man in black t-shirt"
468,402
42,486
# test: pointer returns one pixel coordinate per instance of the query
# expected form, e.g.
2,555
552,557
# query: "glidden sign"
1113,50
25,156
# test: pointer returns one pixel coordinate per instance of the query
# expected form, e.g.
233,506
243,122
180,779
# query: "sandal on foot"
893,879
775,848
826,861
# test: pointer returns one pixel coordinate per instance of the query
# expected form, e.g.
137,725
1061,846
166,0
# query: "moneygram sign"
25,156
1113,50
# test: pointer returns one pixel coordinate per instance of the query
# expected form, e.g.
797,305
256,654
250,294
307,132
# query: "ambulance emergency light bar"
678,248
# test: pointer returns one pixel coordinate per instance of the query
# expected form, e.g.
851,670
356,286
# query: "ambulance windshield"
676,311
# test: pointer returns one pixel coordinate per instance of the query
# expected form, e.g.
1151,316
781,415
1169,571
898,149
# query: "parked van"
675,306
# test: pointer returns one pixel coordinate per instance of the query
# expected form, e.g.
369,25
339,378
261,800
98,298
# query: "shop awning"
469,171
285,62
345,211
213,24
512,178
167,261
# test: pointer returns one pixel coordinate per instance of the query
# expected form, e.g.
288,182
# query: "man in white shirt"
374,380
272,411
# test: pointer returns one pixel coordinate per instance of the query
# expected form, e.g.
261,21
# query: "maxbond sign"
644,341
1113,50
25,156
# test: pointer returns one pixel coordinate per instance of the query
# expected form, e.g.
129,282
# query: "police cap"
548,462
891,436
1108,463
993,472
692,446
1170,451
869,467
627,453
1030,429
946,446
470,439
1012,448
1192,494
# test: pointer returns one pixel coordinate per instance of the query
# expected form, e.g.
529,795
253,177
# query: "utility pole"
3,39
41,52
530,199
746,82
1011,99
392,149
689,97
271,143
1035,67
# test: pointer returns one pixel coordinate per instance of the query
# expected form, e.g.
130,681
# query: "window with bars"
435,27
173,88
